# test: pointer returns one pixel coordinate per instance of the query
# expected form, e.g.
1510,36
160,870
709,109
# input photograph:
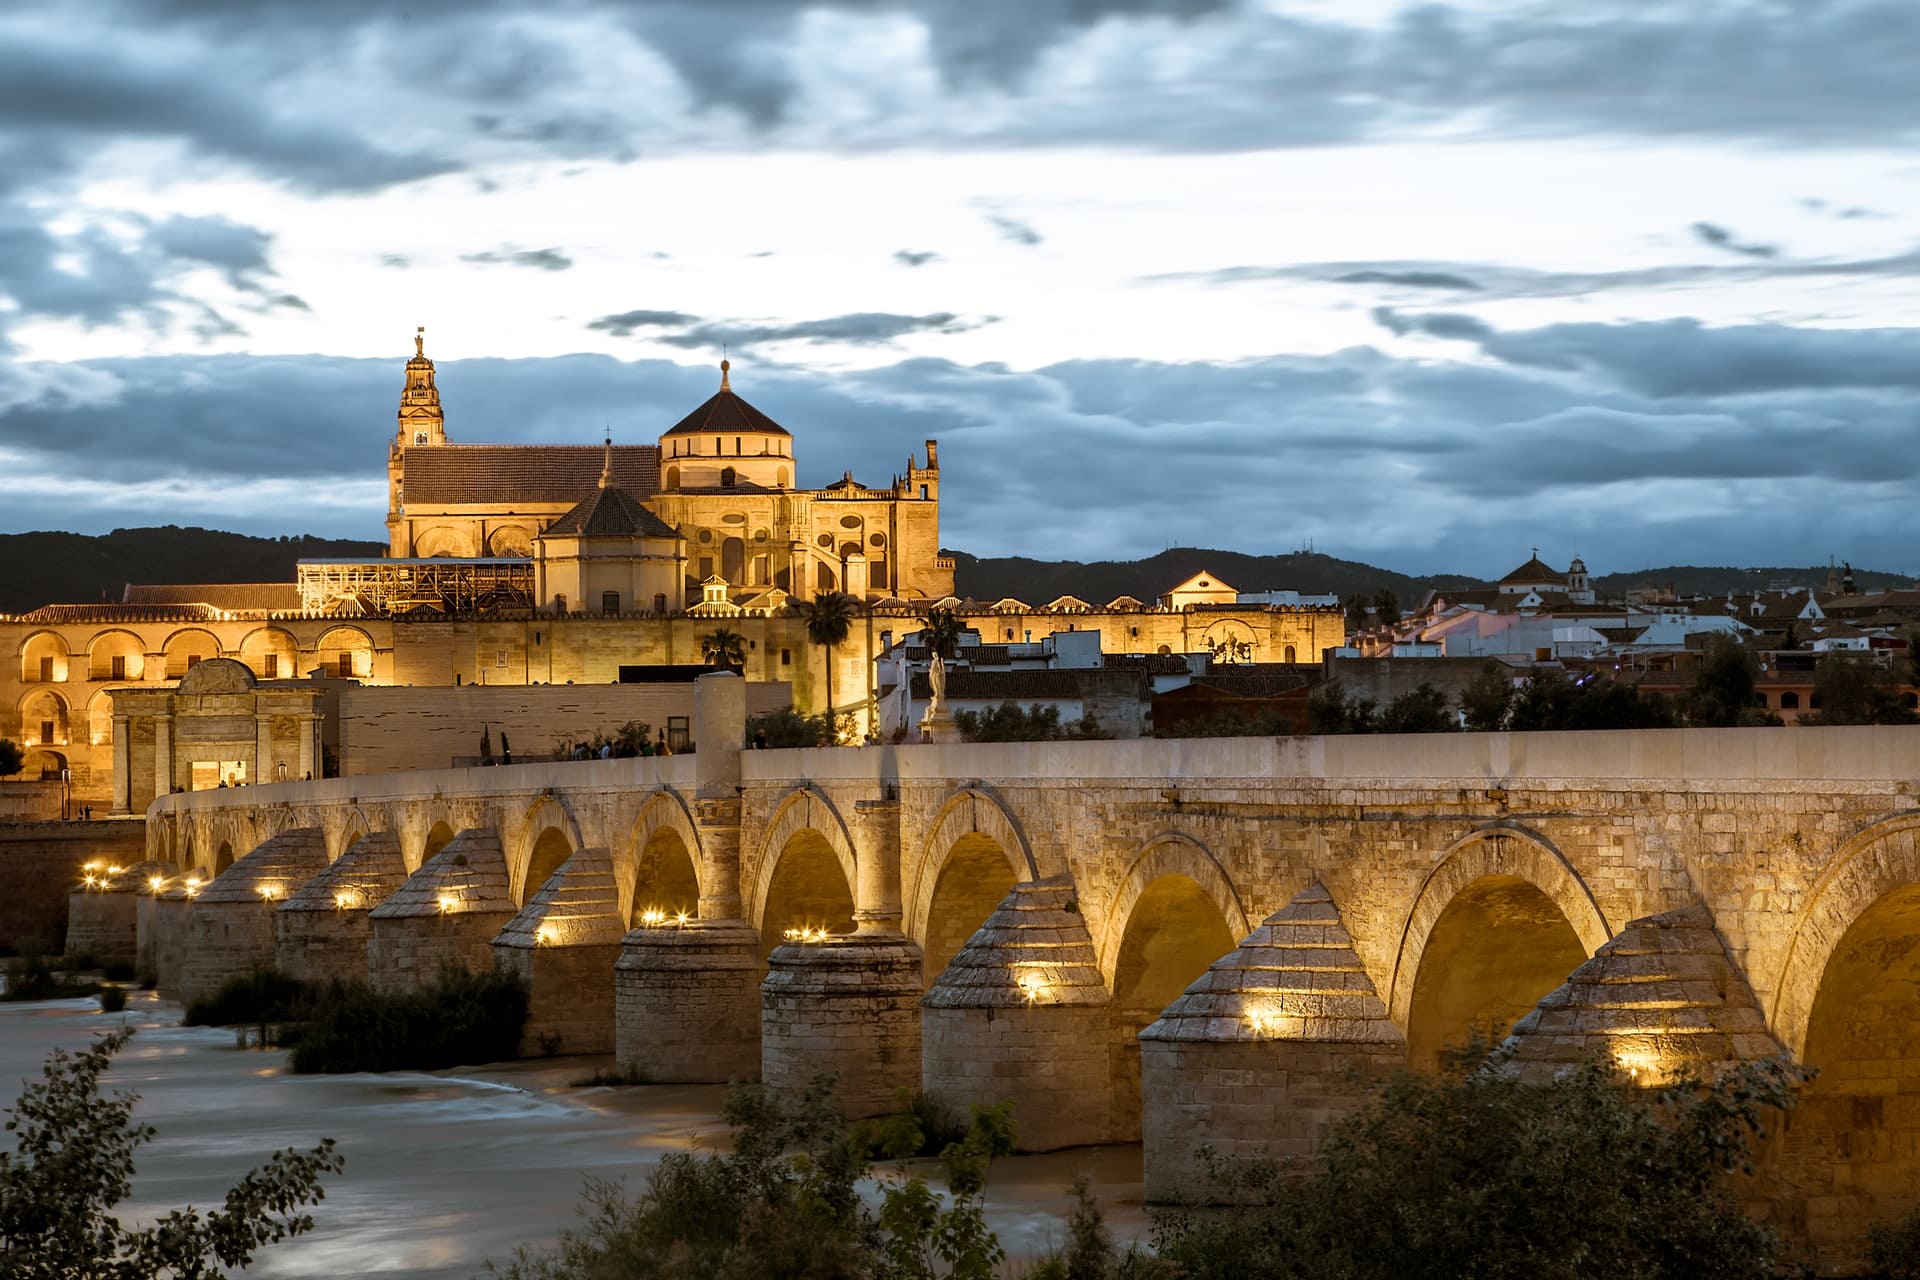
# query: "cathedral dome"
726,443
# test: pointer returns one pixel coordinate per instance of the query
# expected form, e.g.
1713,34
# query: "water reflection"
444,1170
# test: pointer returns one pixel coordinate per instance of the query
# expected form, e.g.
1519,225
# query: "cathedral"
653,528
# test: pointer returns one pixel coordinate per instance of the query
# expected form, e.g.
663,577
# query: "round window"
878,539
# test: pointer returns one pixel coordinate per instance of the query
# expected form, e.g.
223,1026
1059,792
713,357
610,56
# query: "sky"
1425,285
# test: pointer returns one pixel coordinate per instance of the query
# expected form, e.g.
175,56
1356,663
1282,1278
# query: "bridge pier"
447,913
1265,1050
1021,1014
103,919
847,1007
563,944
230,930
320,933
687,1002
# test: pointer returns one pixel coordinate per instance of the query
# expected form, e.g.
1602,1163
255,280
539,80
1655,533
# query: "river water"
448,1169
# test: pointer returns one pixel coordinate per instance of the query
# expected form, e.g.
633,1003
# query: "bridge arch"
807,869
664,866
549,833
973,855
1502,895
1171,853
439,834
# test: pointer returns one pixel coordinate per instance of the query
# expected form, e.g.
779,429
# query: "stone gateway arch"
1191,940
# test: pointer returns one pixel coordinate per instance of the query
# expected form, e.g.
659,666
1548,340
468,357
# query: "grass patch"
36,978
460,1018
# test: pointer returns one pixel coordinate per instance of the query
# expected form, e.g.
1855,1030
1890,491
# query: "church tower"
421,424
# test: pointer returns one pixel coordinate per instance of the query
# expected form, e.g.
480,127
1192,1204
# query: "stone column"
262,749
122,765
687,1002
848,1007
876,832
718,824
309,745
163,753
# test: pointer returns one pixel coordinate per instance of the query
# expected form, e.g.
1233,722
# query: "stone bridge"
1006,920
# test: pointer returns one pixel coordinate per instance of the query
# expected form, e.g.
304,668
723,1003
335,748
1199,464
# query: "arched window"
1289,654
673,477
1790,701
610,603
783,477
559,604
659,602
726,477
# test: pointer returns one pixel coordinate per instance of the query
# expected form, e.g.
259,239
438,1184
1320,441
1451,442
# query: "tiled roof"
725,413
973,686
1534,570
266,597
610,513
119,613
508,473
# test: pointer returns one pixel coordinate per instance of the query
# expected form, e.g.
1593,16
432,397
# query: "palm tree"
829,618
724,649
942,632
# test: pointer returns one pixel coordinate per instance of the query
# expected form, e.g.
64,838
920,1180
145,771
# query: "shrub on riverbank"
35,978
459,1019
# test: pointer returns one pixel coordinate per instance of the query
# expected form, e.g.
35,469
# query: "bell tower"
421,422
421,425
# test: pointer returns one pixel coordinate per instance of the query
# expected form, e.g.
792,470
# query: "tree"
1473,1173
1853,689
789,728
1009,722
1723,692
1387,606
1357,614
724,649
1330,711
829,618
12,759
1484,702
942,632
1421,710
74,1162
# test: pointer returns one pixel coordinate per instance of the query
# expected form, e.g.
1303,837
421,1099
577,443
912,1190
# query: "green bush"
785,1202
265,995
924,1125
35,978
113,999
460,1018
1893,1248
1475,1174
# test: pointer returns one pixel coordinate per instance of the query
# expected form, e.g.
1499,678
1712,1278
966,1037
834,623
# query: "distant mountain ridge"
73,568
77,568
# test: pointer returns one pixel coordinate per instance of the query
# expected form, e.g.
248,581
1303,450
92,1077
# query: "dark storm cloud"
1720,238
863,328
1647,443
626,323
915,258
860,328
1492,281
1014,229
1437,324
507,255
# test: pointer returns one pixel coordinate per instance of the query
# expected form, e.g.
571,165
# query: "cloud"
1649,443
862,328
915,258
626,323
507,255
1408,279
1014,229
1437,324
1721,238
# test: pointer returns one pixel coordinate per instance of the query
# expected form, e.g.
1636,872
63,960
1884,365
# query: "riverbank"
444,1169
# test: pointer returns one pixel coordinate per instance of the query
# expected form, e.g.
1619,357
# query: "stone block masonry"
848,1008
563,944
687,1003
41,863
230,923
446,914
321,932
1020,1015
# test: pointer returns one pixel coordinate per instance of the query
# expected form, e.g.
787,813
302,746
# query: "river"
447,1169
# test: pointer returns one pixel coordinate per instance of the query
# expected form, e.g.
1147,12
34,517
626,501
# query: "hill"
1038,581
74,568
1705,580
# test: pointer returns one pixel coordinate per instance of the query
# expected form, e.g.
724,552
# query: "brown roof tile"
506,473
725,413
610,513
266,597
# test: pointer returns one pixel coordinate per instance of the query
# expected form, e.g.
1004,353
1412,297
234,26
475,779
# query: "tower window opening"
727,477
736,446
923,493
610,603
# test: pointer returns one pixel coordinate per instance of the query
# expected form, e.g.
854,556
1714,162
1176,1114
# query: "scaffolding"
368,587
